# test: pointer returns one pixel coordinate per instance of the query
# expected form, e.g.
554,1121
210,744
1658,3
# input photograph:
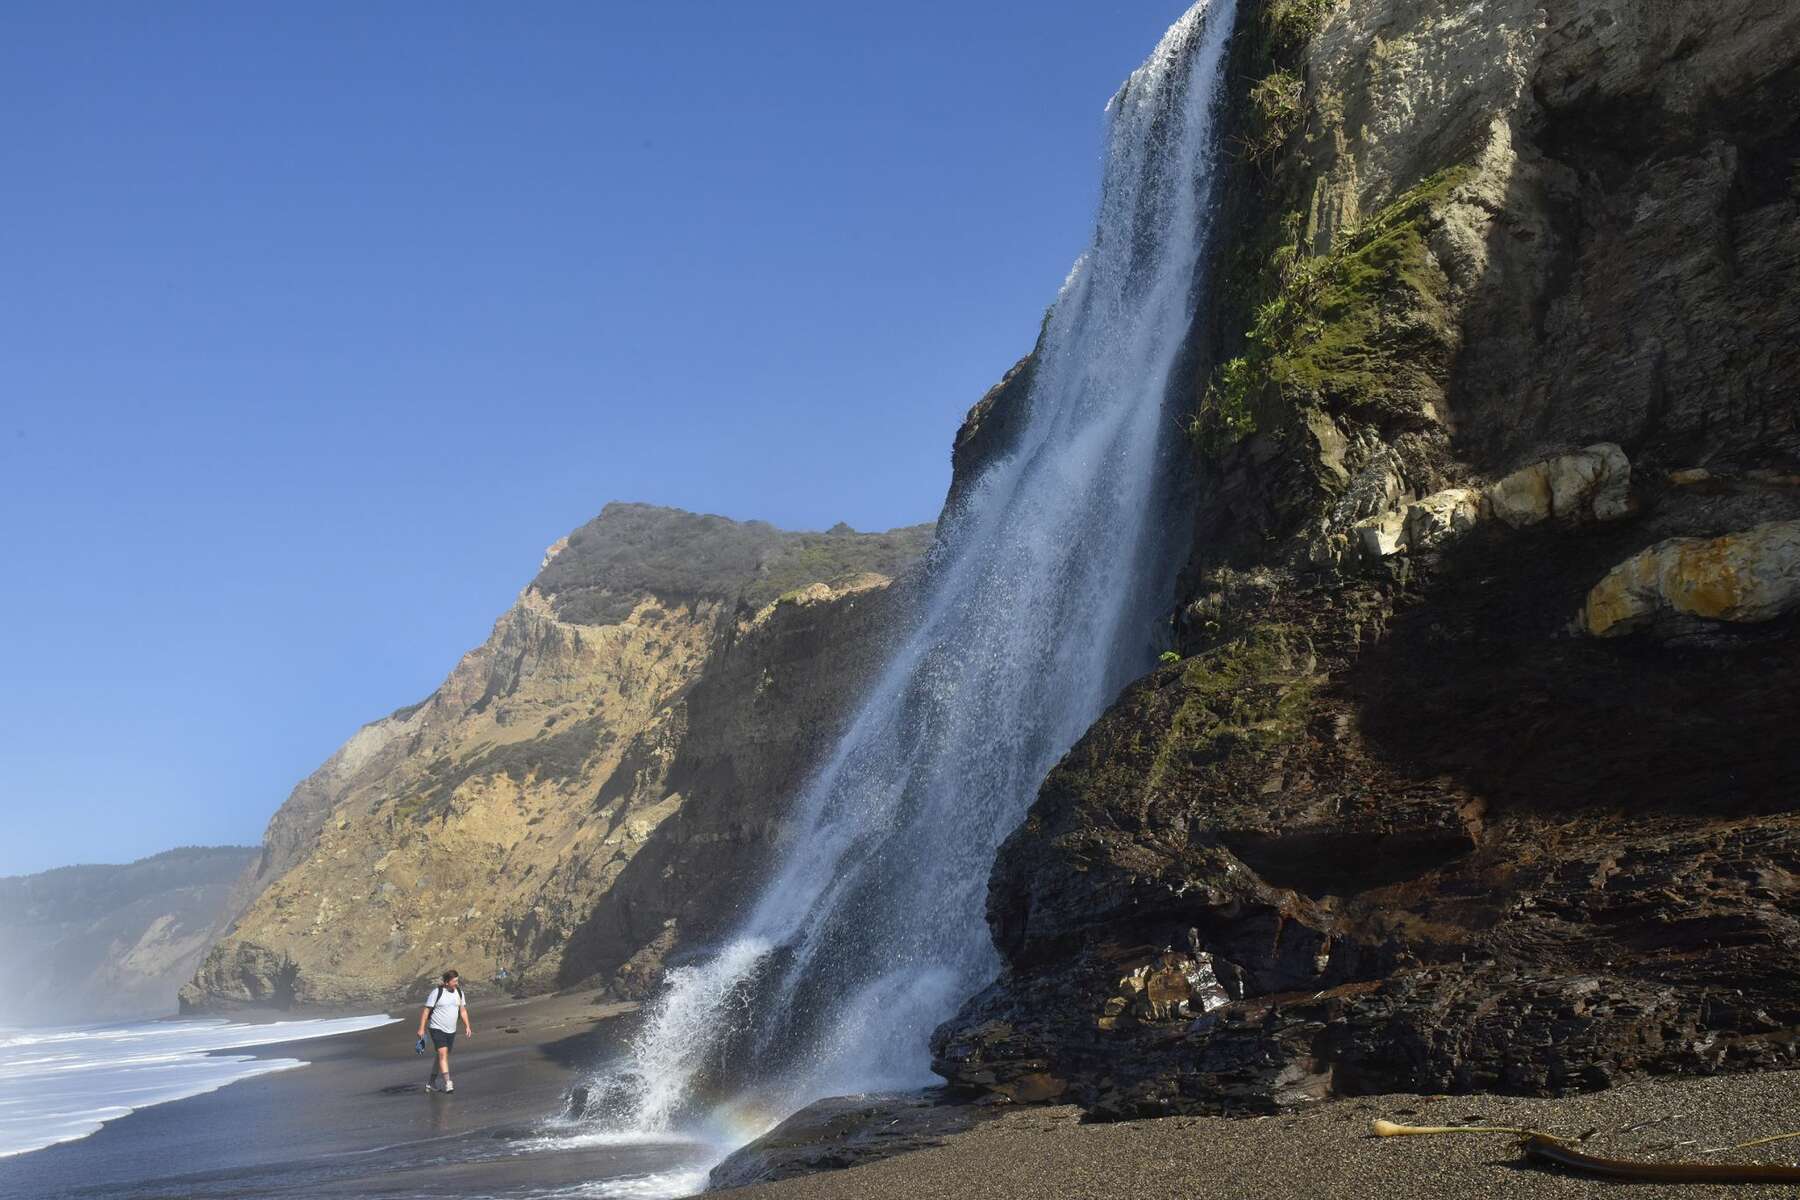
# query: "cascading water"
1040,604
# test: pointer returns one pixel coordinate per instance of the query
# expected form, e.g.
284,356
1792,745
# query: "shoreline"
65,1084
355,1120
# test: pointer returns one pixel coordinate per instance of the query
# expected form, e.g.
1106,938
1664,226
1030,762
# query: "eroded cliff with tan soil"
1477,770
661,661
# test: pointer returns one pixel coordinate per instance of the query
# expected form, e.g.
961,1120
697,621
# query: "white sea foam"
658,1185
57,1085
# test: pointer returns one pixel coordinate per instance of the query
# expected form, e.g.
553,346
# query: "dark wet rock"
1458,369
847,1131
245,975
1513,863
990,428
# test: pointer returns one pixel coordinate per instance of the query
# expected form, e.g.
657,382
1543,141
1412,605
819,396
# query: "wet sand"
357,1122
1325,1153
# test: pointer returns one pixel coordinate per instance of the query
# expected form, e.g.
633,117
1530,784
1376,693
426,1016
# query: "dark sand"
1325,1153
357,1122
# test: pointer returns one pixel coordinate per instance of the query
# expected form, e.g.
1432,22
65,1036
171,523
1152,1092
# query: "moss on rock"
1364,330
1245,697
1231,704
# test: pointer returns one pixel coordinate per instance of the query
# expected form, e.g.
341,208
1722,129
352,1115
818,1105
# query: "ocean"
213,1110
60,1084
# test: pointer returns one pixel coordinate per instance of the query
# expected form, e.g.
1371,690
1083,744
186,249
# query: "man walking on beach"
445,1003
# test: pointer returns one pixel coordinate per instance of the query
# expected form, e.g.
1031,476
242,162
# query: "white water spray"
1041,603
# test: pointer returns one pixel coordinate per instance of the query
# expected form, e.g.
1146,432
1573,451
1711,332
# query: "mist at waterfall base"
1041,600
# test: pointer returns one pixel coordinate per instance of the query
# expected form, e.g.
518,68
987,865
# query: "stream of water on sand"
1041,601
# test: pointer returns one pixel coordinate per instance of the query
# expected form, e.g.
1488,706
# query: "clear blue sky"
319,321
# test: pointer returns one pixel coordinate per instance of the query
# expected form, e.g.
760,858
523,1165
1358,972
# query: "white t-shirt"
444,1004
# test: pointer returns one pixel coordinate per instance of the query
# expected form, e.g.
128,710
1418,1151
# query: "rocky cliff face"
105,942
772,702
487,827
1477,771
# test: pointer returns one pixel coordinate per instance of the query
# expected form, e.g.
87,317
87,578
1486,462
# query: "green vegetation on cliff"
1244,697
1277,100
1202,718
635,550
1277,108
1361,330
1285,26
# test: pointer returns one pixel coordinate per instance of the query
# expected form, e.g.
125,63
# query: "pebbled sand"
1325,1153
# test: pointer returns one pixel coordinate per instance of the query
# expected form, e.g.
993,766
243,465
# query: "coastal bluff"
662,681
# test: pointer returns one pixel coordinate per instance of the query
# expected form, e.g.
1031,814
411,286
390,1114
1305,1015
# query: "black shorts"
442,1040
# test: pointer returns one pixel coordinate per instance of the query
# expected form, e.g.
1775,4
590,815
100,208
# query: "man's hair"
449,975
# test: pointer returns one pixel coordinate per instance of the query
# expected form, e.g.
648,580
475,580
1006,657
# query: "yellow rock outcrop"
1750,576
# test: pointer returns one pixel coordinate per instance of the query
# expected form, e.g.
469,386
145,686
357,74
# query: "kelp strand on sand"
1545,1149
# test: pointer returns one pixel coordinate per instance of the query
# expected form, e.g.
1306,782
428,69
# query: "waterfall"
1040,604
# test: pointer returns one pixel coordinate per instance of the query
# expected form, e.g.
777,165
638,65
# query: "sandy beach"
356,1122
1326,1153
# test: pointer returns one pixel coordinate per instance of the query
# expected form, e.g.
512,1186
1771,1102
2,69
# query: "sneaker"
449,1086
